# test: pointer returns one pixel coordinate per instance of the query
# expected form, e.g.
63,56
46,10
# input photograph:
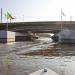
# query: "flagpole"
1,15
7,26
61,19
70,18
7,23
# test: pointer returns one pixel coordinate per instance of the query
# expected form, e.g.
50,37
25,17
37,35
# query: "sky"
38,10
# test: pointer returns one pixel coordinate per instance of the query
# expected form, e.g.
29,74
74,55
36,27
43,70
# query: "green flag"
9,16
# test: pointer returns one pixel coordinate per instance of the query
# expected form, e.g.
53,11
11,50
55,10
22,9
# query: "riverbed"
20,58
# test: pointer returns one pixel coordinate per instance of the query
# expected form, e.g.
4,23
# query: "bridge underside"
38,31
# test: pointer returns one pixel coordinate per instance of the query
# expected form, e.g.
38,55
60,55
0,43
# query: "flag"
9,16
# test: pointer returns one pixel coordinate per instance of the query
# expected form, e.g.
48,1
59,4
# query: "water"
21,57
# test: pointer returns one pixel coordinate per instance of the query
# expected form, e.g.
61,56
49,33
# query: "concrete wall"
10,36
7,36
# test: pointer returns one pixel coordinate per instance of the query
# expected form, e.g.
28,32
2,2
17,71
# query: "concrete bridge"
39,27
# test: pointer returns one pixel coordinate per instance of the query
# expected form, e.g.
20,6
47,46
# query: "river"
18,58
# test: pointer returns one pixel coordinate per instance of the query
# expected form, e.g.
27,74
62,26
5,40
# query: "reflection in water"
37,55
10,43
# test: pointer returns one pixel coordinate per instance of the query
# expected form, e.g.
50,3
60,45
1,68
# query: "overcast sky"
38,10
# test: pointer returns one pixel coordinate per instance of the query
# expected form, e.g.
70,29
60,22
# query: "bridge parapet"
39,25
